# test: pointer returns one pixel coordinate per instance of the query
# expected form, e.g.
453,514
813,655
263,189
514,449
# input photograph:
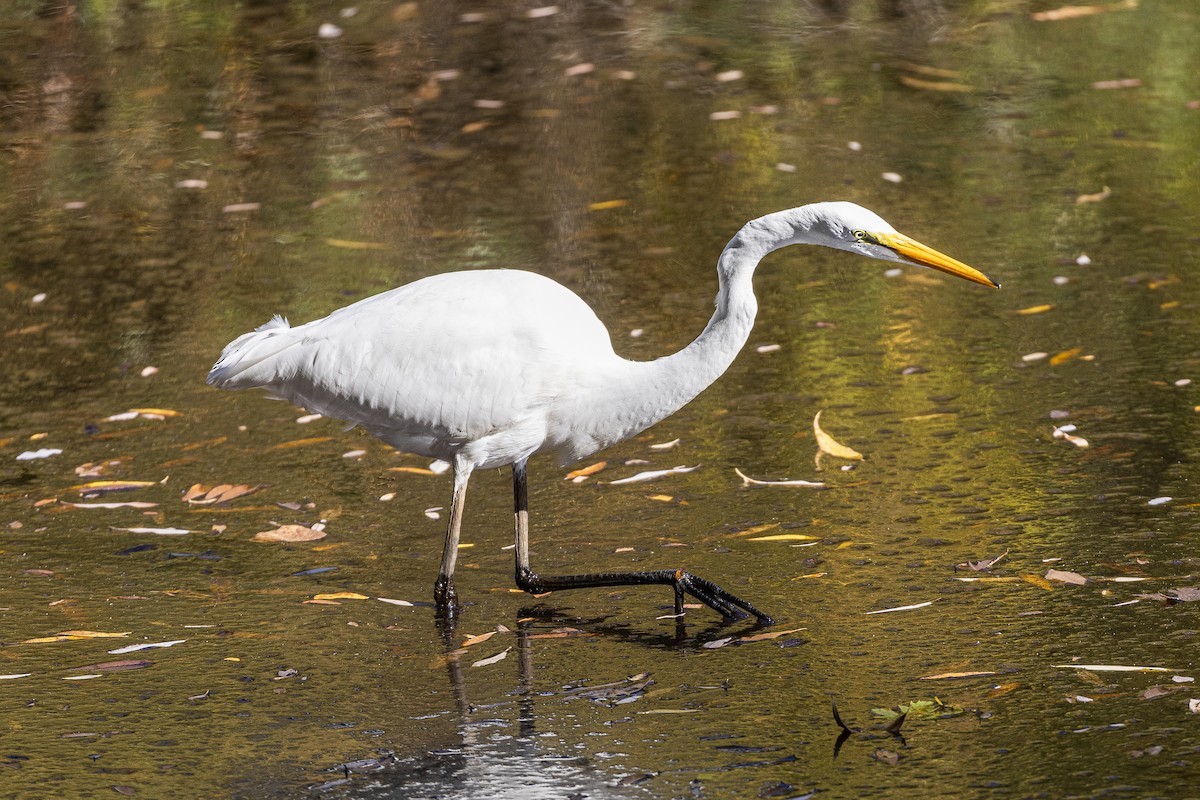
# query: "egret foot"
729,606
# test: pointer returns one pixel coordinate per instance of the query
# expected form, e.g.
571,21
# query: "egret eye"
859,236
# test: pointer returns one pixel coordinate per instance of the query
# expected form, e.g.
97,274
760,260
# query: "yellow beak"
926,256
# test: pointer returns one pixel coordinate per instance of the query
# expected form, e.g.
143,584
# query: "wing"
437,364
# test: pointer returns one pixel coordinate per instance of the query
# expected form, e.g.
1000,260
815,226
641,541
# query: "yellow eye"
859,235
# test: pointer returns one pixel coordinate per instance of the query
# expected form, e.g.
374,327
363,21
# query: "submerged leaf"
290,533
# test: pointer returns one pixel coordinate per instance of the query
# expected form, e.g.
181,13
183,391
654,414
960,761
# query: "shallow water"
134,136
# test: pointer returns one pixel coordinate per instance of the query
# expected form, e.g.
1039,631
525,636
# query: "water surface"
172,174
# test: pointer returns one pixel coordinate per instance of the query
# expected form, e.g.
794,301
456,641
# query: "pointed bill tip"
917,253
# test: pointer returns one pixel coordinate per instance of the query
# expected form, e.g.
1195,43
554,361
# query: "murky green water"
583,144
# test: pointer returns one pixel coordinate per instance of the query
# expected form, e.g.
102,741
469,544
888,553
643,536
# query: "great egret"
486,368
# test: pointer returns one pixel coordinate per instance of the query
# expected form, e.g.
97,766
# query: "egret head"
847,226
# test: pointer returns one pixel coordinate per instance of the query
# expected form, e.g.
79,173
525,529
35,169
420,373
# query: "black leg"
443,590
727,605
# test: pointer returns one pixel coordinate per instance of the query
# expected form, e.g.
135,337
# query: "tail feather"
248,361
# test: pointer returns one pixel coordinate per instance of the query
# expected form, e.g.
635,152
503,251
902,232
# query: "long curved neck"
648,392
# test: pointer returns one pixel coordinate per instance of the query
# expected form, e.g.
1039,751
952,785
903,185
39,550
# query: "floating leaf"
147,646
201,495
156,531
1038,309
412,470
103,487
653,474
1066,577
1104,194
33,455
1065,433
341,596
578,475
1038,581
483,637
1112,668
605,205
1064,356
748,481
1072,12
902,608
114,666
983,565
762,637
300,442
942,676
290,533
935,86
492,659
347,244
131,504
829,446
784,537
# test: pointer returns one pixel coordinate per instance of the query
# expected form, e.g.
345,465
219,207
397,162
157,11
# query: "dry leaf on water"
827,445
201,495
492,659
653,474
748,481
1066,577
290,533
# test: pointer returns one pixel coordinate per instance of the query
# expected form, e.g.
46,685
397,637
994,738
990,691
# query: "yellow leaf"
162,412
810,575
783,537
412,470
93,634
1042,309
583,472
604,205
346,244
483,637
341,596
830,446
936,86
758,529
1038,581
1065,355
300,442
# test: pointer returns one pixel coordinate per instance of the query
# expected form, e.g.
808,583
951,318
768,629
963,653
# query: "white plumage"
486,368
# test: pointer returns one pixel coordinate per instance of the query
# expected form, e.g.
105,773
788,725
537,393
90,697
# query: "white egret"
486,368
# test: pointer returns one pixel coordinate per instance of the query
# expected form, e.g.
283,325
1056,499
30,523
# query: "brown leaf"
761,637
301,442
290,533
1038,581
1066,577
115,666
